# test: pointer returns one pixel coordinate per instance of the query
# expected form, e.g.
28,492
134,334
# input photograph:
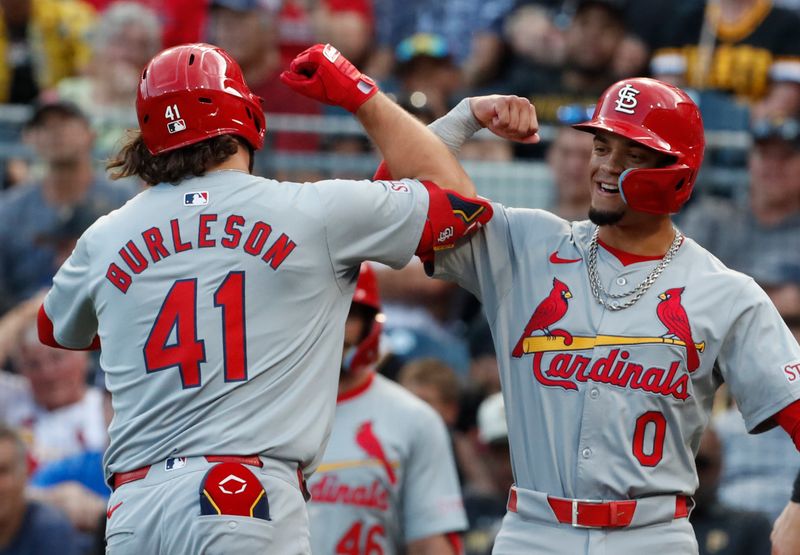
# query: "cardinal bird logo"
368,441
550,310
673,316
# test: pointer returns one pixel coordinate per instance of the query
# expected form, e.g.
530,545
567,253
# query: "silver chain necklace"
600,293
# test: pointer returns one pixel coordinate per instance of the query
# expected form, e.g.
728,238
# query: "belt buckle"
575,503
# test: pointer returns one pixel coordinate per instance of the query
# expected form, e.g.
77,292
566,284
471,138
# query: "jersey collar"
356,391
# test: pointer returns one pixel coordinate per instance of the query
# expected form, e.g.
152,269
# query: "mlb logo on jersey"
176,126
174,463
198,198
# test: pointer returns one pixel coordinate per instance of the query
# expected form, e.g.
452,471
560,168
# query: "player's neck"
648,237
239,161
351,383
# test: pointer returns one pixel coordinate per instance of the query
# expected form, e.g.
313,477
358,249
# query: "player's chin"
602,216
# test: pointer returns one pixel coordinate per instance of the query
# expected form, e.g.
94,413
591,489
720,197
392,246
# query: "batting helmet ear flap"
656,190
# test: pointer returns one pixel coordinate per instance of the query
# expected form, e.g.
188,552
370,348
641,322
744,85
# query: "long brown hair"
171,167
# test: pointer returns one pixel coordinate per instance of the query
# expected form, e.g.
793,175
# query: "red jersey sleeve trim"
45,328
789,419
356,391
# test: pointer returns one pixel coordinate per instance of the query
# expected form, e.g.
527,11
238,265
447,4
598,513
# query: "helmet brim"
628,130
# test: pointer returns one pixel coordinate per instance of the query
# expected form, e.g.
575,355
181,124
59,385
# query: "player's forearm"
456,127
409,149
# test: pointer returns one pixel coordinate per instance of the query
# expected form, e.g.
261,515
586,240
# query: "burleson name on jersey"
160,244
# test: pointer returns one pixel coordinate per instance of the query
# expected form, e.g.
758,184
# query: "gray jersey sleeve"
432,498
69,304
380,221
484,258
758,357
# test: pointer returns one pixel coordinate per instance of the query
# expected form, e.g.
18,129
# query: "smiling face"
612,154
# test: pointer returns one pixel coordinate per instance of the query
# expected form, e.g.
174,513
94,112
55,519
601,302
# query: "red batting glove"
322,73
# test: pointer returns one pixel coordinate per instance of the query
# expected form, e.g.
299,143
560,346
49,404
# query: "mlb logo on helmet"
197,198
176,126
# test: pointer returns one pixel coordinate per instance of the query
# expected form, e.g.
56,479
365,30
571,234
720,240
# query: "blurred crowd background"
68,76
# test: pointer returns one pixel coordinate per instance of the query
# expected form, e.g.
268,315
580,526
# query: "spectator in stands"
721,530
126,36
487,147
759,483
436,383
425,67
485,510
472,30
532,35
27,527
57,412
746,49
76,485
759,235
62,139
43,41
348,24
483,379
181,21
568,159
248,31
12,323
591,42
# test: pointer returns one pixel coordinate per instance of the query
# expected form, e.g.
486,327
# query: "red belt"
597,514
120,478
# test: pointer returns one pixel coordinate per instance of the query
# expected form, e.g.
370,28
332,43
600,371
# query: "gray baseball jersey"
220,305
608,404
387,477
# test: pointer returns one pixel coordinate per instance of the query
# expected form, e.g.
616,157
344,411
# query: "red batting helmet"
193,92
663,118
366,352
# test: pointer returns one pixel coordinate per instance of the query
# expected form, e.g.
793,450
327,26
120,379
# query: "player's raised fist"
322,73
507,116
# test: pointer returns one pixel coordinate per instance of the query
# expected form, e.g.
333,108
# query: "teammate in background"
612,335
387,482
220,298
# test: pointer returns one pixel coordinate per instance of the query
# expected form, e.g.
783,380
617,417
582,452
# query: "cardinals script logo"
361,489
567,367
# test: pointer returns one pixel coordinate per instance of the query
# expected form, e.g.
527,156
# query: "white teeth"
609,188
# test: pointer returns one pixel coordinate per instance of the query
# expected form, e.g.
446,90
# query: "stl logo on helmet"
626,99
